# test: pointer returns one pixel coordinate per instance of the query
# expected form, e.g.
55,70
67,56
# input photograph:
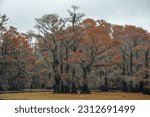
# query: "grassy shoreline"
93,96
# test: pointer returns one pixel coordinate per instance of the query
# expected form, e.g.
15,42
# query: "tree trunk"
146,64
124,86
57,85
123,66
73,86
73,89
85,88
106,85
131,62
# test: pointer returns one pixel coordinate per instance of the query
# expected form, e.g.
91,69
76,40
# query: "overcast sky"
22,13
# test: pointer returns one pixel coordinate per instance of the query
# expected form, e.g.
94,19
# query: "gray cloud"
21,13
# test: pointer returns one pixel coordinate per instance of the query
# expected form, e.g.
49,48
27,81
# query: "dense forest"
74,54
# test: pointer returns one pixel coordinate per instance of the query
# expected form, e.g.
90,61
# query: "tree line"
70,54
